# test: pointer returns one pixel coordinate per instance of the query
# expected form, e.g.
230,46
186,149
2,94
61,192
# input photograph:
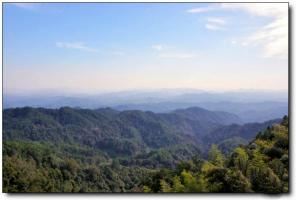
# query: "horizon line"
73,91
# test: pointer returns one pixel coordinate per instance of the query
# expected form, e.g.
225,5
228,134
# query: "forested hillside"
261,166
104,150
126,132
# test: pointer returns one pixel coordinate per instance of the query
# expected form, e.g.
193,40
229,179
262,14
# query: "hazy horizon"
87,48
144,90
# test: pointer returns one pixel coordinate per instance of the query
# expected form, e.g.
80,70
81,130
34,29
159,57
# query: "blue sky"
105,47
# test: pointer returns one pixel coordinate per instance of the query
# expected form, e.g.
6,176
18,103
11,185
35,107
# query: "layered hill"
126,133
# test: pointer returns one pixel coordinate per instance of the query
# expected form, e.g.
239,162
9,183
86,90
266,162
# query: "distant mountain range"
58,99
250,106
248,112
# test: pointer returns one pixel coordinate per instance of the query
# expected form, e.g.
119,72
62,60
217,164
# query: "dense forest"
104,150
261,166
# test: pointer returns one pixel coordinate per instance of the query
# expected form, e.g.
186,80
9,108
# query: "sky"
90,47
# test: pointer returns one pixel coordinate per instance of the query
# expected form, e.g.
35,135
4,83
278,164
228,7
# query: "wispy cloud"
258,9
161,47
215,23
216,20
234,42
214,27
201,9
75,45
273,37
28,6
177,55
158,47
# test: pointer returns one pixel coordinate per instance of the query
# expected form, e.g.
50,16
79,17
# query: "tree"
215,156
241,160
190,182
227,180
177,185
285,121
277,167
266,181
146,189
235,181
165,187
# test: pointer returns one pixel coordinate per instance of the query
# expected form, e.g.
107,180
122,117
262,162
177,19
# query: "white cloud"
234,42
214,27
158,47
215,23
177,55
258,9
216,20
200,9
273,37
75,45
28,6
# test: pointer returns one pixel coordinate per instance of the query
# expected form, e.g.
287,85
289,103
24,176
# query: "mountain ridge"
118,133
